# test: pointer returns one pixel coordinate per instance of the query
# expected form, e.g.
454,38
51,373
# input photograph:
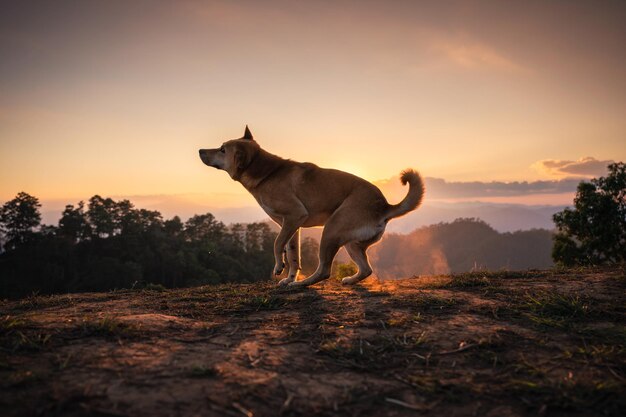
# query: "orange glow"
117,100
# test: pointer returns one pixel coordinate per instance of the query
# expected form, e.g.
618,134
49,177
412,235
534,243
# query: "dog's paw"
295,284
349,281
278,269
285,281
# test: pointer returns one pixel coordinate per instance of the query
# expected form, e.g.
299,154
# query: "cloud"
438,188
471,54
585,167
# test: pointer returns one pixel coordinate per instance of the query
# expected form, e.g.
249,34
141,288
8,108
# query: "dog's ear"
242,157
247,134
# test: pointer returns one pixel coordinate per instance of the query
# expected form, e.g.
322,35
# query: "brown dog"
296,194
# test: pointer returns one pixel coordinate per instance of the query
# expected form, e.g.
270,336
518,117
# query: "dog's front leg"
293,258
290,226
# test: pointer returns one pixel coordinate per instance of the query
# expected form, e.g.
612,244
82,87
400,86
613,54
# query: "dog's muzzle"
206,158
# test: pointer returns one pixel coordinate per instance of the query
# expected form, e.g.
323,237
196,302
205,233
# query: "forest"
107,244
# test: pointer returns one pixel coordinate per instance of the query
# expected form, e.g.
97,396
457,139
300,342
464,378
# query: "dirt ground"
481,344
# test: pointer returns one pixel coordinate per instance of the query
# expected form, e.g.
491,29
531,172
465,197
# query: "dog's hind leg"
293,259
357,251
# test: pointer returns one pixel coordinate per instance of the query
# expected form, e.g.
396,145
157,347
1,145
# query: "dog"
354,212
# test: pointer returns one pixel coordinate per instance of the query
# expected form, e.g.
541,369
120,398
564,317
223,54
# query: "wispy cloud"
474,55
586,167
438,188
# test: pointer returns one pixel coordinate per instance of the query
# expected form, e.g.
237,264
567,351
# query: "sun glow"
368,90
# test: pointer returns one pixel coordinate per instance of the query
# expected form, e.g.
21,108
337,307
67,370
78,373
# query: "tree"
150,220
102,214
73,224
594,231
258,237
18,219
204,227
126,218
237,235
173,227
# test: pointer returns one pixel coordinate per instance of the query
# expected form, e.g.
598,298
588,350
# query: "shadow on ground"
491,344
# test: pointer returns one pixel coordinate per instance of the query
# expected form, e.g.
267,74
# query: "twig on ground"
404,404
450,352
286,404
242,409
615,374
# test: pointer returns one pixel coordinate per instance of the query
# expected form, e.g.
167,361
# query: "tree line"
107,244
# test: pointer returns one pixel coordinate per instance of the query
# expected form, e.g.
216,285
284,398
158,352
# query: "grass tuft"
374,352
604,396
108,327
9,324
154,287
201,371
559,305
265,302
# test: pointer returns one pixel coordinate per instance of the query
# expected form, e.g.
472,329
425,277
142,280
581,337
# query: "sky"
490,100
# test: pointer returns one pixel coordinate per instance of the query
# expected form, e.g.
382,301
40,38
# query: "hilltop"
492,344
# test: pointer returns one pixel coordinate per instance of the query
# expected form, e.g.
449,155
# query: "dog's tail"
413,198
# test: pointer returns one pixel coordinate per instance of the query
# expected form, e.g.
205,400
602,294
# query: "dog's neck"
262,166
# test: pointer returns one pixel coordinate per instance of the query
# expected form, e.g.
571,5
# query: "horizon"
432,211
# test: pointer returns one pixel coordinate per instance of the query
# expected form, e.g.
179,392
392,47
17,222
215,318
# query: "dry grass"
509,343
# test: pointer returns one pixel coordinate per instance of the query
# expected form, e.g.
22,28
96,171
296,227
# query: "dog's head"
233,156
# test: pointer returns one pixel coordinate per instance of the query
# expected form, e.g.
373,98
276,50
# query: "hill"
491,344
460,246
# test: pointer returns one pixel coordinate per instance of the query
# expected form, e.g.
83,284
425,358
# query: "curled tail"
413,197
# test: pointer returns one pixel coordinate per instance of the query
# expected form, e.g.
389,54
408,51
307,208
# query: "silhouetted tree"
102,216
594,231
19,218
204,227
258,237
238,234
125,217
173,227
73,224
150,220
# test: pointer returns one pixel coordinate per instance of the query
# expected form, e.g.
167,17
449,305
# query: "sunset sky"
115,97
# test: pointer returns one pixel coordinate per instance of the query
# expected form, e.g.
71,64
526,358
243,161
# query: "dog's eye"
222,149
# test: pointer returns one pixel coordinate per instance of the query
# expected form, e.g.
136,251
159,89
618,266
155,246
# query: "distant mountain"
459,246
502,217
